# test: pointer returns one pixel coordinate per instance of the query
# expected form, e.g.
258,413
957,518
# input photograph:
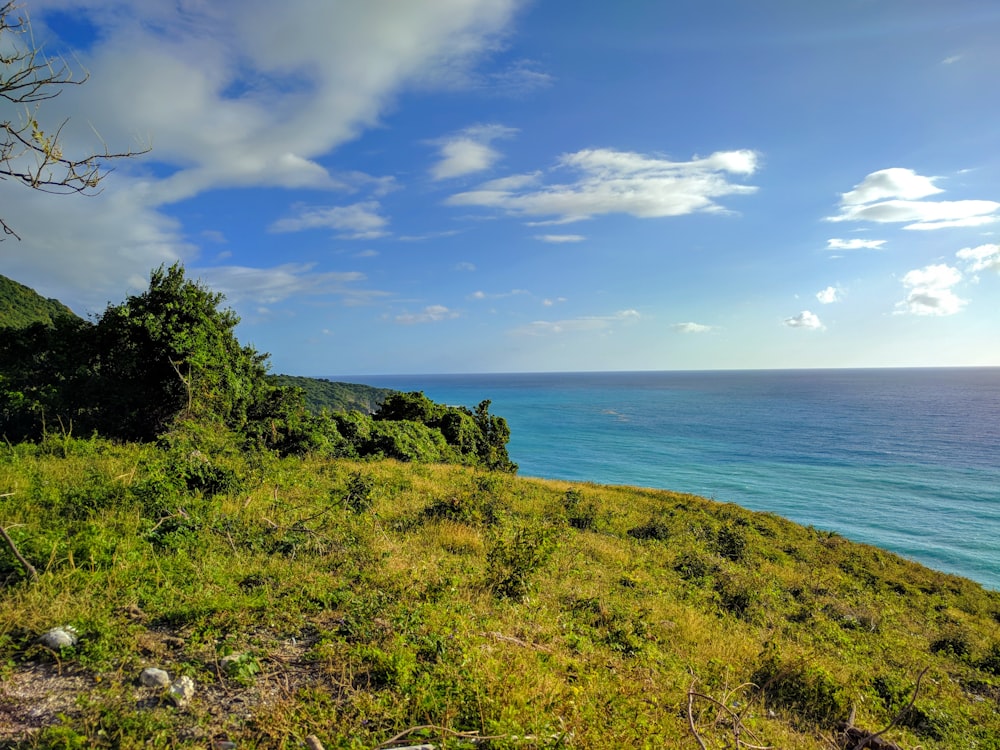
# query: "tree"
29,155
165,355
172,351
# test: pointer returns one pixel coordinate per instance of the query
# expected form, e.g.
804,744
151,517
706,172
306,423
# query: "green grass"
365,599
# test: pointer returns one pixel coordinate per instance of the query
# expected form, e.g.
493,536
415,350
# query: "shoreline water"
904,459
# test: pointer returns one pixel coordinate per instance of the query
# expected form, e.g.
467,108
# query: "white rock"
154,678
182,690
58,638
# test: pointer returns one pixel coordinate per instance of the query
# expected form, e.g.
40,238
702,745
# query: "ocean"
905,459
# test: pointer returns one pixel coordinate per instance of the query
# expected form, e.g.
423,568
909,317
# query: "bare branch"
32,573
28,154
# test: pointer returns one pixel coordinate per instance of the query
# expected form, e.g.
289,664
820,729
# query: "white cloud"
891,183
271,285
982,258
547,302
479,294
930,291
892,196
595,323
465,266
86,251
430,314
357,221
609,181
560,238
804,319
692,328
225,100
855,244
829,295
469,151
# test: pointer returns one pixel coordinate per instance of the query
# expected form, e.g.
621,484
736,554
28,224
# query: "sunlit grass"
375,597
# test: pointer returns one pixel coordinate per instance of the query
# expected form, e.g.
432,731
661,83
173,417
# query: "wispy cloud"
692,328
469,151
271,285
804,319
521,78
560,238
930,291
480,295
854,244
594,323
430,314
357,221
609,181
894,196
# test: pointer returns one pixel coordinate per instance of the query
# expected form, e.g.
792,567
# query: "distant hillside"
20,306
331,396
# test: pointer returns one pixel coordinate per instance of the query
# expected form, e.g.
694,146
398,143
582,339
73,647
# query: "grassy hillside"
380,604
328,395
21,306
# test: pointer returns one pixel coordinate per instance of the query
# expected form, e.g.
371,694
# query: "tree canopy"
169,357
167,353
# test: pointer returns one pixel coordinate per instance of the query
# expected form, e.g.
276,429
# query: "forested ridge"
21,306
322,394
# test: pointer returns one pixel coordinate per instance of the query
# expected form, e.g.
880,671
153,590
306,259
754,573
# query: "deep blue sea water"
908,460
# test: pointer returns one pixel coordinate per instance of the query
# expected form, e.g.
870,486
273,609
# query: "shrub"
954,642
731,543
807,690
991,660
654,529
512,558
358,494
579,514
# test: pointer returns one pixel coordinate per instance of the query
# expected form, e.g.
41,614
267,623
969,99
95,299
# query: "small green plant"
580,514
513,557
358,494
242,669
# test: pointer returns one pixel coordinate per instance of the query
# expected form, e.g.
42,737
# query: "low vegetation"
368,599
323,598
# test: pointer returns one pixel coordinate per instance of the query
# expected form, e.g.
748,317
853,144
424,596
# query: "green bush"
806,690
357,495
580,514
513,557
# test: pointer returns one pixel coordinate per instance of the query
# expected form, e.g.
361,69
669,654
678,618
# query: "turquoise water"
903,459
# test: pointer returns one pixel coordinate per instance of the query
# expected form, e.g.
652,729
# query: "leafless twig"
32,573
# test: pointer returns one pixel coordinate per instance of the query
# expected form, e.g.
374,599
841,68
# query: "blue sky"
496,186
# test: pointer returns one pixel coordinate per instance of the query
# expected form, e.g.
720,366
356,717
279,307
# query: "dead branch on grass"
32,573
736,717
859,739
